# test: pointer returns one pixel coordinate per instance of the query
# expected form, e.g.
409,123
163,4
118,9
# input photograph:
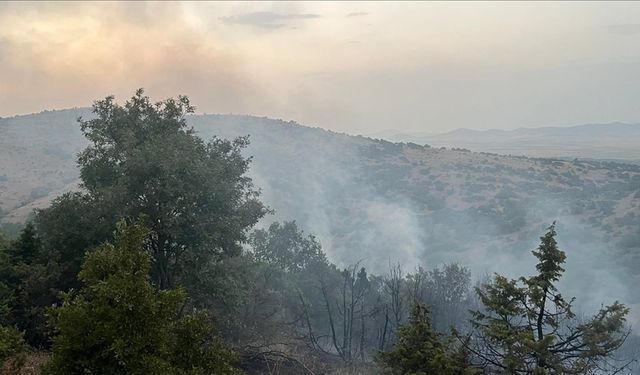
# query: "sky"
352,67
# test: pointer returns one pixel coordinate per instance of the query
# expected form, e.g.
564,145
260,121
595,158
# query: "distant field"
619,142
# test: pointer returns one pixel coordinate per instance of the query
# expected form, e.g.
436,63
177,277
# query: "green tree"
420,350
256,295
12,344
144,159
74,223
4,241
528,327
285,246
29,296
7,287
28,245
119,323
12,349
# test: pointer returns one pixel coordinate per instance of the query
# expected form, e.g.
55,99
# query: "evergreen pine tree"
119,323
528,327
420,350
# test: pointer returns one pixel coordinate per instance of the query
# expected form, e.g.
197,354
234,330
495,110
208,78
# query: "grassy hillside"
379,202
37,160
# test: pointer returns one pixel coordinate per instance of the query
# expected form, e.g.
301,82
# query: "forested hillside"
374,201
163,256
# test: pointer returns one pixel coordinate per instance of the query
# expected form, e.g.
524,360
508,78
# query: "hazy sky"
355,67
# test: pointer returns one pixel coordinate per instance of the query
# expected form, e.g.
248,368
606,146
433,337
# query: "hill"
379,202
613,141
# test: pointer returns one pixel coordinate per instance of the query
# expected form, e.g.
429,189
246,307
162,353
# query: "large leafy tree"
144,159
528,327
119,323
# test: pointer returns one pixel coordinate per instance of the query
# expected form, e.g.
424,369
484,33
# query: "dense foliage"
118,323
142,298
420,350
12,348
142,160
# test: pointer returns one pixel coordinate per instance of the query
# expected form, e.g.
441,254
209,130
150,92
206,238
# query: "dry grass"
32,364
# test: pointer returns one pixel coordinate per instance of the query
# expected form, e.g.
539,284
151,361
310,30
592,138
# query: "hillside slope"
379,202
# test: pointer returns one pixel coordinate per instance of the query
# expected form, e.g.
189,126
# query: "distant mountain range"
614,141
378,202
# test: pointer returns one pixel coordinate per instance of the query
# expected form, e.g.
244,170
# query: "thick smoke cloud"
476,65
318,186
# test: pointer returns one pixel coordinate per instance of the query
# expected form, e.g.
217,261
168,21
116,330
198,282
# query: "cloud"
88,53
458,72
267,20
4,48
625,29
357,14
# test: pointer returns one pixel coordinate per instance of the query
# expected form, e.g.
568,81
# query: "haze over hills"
614,141
160,213
379,202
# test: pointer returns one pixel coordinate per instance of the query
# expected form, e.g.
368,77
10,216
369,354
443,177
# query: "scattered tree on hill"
119,323
528,327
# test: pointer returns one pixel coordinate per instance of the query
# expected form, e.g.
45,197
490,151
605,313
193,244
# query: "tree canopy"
144,159
119,323
528,327
287,247
420,350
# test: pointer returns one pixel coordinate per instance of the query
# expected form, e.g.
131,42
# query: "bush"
12,349
120,324
420,350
